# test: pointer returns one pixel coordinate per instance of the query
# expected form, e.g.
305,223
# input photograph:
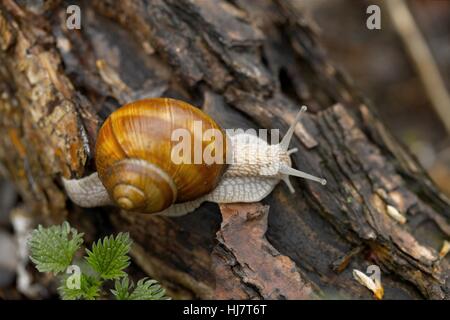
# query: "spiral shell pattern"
133,155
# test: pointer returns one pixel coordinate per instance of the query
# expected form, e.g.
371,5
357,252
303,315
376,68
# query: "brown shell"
142,130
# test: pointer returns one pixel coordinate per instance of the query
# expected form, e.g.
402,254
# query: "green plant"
53,250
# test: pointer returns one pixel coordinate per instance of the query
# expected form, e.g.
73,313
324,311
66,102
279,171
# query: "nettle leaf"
146,289
52,249
109,257
89,288
121,289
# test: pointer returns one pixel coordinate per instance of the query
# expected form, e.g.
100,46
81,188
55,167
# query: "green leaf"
146,289
89,288
121,288
109,257
52,249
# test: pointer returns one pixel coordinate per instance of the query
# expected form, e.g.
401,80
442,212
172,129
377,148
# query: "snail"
136,171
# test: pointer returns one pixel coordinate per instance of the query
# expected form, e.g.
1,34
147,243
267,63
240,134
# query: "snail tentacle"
87,192
297,173
284,144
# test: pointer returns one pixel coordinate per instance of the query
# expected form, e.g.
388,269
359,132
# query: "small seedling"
53,250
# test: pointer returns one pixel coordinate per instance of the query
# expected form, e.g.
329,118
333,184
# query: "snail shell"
133,155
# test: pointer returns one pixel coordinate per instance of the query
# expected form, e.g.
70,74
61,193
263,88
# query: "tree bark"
249,64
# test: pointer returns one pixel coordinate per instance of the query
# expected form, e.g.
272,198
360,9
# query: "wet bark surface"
248,65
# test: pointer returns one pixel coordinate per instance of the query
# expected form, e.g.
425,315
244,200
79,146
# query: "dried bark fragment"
247,266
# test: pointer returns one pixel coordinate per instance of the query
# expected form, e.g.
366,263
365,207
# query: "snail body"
136,171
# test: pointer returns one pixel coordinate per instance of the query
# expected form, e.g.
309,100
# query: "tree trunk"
249,64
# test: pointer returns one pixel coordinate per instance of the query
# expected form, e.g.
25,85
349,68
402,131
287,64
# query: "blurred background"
379,64
381,67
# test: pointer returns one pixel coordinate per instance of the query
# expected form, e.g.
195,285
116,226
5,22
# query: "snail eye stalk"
284,144
297,173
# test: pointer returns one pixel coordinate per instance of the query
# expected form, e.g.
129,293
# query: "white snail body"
255,169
